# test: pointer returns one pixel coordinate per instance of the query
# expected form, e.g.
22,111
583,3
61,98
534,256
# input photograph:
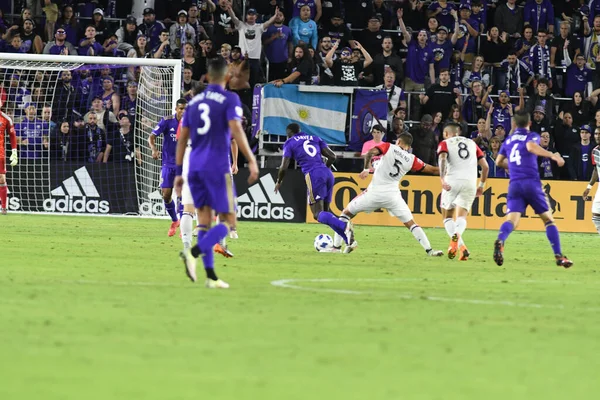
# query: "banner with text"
259,202
422,194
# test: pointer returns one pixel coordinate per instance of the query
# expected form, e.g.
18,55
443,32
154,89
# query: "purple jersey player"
167,127
308,151
212,118
519,155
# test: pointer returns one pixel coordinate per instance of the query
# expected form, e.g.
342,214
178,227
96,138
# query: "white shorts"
462,194
393,202
186,194
596,203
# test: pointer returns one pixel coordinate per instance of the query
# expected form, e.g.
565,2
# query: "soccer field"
100,308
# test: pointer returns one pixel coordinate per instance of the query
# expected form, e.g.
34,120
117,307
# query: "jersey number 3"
204,110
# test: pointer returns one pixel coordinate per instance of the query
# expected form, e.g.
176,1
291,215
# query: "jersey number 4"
515,154
204,110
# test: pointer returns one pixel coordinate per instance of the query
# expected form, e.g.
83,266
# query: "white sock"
596,221
186,227
421,237
337,239
450,226
461,227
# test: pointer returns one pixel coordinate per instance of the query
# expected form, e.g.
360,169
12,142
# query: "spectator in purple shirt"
88,46
277,42
60,44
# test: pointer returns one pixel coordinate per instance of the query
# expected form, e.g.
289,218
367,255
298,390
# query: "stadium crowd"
474,62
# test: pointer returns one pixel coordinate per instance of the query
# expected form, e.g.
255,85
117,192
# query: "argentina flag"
319,114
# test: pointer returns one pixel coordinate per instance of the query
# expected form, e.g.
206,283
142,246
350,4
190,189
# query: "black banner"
258,202
73,188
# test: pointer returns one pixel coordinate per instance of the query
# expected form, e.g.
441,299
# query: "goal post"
61,148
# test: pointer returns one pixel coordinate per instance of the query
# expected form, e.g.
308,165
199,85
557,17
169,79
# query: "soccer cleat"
563,261
435,253
464,253
453,248
233,234
3,211
173,228
190,263
349,232
498,252
223,250
218,284
350,248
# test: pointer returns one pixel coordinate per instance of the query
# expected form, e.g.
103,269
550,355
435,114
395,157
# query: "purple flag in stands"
370,108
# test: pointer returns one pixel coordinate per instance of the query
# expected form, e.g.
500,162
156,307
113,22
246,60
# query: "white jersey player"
458,158
384,191
594,179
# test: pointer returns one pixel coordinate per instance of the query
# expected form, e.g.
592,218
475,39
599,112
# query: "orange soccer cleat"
223,250
464,253
453,248
173,228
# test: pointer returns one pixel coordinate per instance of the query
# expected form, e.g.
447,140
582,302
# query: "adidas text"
265,211
79,205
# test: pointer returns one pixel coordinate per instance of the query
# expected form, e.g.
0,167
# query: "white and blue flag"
319,114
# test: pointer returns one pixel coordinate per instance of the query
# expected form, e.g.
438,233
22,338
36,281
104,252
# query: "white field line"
293,284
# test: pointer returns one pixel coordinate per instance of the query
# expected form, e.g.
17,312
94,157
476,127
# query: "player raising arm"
167,127
211,119
519,155
384,191
6,127
458,158
308,151
594,179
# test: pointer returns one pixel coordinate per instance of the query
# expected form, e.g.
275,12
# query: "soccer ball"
323,242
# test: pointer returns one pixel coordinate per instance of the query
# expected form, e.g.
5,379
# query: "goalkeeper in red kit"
6,127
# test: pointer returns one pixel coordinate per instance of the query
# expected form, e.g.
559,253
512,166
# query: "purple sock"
505,230
338,226
553,238
170,207
212,237
179,207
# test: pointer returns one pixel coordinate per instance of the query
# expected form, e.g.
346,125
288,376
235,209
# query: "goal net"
82,125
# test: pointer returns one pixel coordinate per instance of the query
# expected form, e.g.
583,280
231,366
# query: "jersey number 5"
204,110
397,164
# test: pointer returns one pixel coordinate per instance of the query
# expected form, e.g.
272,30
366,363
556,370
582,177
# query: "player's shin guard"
179,207
186,227
450,226
461,226
170,207
338,225
3,195
596,221
553,237
421,237
505,229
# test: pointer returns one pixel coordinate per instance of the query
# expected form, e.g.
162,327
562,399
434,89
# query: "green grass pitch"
100,308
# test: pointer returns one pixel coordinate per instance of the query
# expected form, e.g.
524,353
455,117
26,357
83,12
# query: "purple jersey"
306,150
167,127
207,117
522,165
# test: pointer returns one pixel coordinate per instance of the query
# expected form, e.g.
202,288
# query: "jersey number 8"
204,110
463,151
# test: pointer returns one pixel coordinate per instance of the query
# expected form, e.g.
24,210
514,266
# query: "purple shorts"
319,183
214,190
526,193
167,177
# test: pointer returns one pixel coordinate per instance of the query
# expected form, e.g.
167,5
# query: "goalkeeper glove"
14,159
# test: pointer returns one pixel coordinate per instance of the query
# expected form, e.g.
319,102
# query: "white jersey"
463,156
393,165
596,163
